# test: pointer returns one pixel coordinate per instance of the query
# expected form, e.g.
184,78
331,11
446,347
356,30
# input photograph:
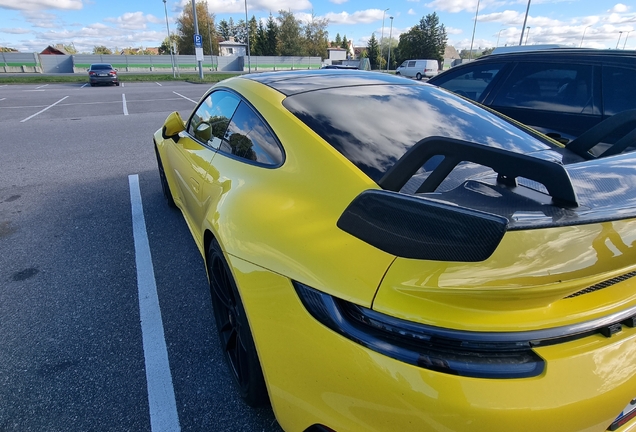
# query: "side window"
249,138
411,64
209,122
471,84
551,87
619,89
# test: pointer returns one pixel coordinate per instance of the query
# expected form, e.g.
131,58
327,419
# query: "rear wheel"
234,330
418,76
165,187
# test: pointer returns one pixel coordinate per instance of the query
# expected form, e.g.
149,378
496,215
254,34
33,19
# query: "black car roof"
293,82
628,56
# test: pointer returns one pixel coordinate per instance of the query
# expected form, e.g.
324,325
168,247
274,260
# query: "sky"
32,25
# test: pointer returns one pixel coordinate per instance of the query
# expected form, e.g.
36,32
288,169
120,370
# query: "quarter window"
211,119
471,84
248,137
550,87
619,89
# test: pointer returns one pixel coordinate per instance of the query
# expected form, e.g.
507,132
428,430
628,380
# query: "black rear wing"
508,166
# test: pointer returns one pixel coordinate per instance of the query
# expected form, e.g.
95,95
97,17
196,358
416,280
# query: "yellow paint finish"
284,218
316,376
522,285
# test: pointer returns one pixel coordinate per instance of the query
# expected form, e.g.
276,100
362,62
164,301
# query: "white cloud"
453,6
133,20
14,30
411,12
453,31
619,8
358,17
338,1
253,6
37,5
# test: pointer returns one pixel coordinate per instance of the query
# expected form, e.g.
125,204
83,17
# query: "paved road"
71,350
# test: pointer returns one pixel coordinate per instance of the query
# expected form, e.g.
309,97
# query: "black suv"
561,92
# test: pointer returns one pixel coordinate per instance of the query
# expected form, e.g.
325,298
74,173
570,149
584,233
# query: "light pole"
196,31
525,19
247,27
207,9
583,37
470,54
382,37
498,34
619,38
388,61
528,34
169,40
626,36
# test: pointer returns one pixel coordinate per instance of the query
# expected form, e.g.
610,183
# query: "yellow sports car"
384,255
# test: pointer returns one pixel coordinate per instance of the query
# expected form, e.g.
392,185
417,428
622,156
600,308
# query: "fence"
32,62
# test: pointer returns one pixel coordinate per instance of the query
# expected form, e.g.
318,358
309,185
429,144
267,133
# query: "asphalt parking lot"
77,354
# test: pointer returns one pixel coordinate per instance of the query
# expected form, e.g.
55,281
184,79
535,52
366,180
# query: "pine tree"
272,37
373,52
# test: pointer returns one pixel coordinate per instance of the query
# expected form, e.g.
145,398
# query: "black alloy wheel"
234,331
165,187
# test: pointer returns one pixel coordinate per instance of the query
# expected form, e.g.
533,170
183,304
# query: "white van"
418,68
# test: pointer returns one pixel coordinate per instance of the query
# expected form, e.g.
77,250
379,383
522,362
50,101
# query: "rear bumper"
103,80
315,376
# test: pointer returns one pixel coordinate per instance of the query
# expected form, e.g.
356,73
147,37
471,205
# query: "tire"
234,331
397,74
92,85
418,76
117,84
165,187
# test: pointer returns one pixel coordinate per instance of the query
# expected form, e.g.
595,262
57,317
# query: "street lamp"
247,27
619,38
388,61
528,34
626,36
169,40
498,34
583,37
382,37
525,19
470,54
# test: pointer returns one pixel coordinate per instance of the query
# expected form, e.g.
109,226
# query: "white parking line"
158,84
122,84
40,112
85,84
2,99
193,101
123,98
4,85
41,86
161,400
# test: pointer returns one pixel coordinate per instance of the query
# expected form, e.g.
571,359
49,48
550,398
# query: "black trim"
587,140
459,352
419,228
508,165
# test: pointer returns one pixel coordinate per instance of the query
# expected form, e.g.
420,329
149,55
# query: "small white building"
232,48
336,54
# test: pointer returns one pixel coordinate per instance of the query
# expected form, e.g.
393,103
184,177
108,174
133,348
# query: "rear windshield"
373,126
101,66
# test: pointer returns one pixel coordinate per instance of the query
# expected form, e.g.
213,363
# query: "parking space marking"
193,101
84,85
40,112
41,86
2,99
158,84
122,84
161,399
123,98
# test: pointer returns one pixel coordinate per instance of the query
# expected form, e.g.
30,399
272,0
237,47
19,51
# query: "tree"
338,41
70,49
224,30
240,32
253,34
345,43
373,52
98,50
316,37
290,41
272,37
185,29
426,40
260,47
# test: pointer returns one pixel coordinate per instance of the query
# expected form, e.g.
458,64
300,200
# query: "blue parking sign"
198,41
